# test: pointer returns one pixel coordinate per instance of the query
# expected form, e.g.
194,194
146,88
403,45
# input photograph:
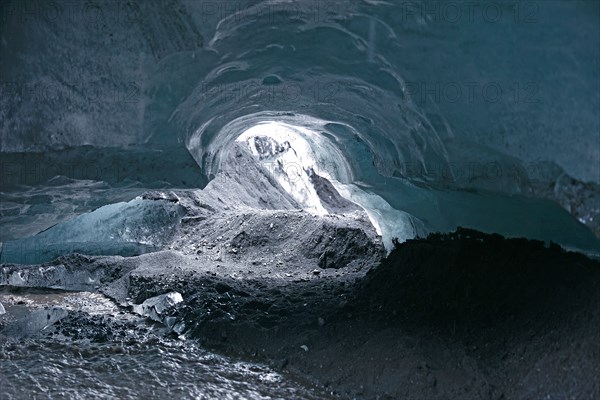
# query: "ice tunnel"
391,131
298,184
294,147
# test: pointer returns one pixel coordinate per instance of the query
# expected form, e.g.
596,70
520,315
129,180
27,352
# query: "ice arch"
398,207
292,154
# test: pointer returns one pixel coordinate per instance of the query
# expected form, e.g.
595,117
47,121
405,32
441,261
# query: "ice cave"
280,199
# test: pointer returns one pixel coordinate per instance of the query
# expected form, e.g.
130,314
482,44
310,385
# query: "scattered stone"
316,272
154,307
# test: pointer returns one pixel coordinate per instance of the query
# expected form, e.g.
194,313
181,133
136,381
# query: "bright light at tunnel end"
291,153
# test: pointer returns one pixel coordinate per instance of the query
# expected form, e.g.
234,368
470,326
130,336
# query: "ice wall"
123,229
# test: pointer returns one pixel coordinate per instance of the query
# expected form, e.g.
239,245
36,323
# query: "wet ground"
462,316
52,346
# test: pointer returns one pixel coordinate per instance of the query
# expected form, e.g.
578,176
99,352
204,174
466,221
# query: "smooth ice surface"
128,228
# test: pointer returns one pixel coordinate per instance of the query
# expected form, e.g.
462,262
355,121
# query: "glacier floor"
463,315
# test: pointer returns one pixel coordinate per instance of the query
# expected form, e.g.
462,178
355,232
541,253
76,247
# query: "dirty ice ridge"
289,159
295,155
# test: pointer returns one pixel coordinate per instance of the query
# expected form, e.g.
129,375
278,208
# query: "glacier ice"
289,159
125,228
397,207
